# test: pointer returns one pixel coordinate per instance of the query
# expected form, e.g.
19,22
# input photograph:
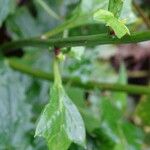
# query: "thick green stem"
57,77
90,40
17,65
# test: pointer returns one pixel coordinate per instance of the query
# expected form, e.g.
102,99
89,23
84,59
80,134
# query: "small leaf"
108,18
103,15
51,123
60,123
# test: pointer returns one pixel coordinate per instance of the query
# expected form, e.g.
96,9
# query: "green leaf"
91,119
115,6
114,131
142,112
52,123
15,112
118,8
60,123
22,24
120,98
108,18
6,7
130,136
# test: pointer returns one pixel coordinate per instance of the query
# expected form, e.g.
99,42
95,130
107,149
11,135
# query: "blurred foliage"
142,111
6,8
22,98
15,113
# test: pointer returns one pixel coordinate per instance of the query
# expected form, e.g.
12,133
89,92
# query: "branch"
17,65
90,40
142,14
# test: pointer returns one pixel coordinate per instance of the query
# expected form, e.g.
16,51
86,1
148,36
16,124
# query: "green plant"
70,120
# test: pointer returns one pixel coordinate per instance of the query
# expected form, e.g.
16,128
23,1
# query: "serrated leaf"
115,6
51,123
108,18
60,123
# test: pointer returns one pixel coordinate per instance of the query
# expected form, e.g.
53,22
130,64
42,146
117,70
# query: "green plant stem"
57,79
91,40
75,21
17,65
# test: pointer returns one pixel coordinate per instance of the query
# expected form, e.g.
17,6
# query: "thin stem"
142,14
134,89
138,74
90,40
57,77
75,21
